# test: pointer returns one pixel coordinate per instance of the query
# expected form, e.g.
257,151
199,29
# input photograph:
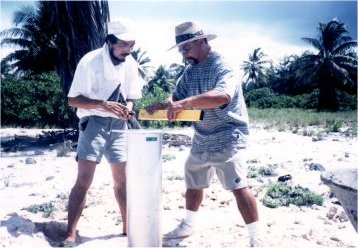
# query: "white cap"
123,29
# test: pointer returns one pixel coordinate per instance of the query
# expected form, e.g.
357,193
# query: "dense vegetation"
34,101
33,95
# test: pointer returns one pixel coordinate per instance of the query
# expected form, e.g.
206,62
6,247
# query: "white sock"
191,217
253,229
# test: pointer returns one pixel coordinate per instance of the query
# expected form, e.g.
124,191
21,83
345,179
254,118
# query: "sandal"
68,243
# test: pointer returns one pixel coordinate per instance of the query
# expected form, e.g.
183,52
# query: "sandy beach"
41,177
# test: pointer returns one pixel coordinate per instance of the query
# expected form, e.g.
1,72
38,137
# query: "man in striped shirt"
210,84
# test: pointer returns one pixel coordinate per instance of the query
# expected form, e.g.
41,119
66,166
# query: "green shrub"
307,101
281,194
176,177
37,101
346,101
252,174
256,94
333,125
266,171
167,157
157,95
266,98
260,98
46,208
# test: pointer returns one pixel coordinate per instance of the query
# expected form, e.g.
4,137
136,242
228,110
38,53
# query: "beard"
192,61
115,59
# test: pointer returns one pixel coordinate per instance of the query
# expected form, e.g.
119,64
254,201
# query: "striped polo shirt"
222,127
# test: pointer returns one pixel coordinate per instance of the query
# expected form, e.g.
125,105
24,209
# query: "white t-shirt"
96,78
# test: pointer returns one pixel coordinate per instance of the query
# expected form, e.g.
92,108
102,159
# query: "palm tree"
254,68
81,27
282,78
163,79
33,38
143,69
176,70
333,66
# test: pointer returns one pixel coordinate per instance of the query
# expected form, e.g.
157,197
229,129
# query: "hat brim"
205,36
129,36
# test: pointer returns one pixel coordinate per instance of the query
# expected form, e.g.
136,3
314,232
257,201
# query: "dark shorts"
102,136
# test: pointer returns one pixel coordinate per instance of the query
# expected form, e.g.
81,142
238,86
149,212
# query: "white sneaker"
183,230
256,242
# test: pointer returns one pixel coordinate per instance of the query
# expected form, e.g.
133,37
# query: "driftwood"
47,138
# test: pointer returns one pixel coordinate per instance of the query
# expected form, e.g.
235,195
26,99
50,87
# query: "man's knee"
119,174
85,174
244,195
241,191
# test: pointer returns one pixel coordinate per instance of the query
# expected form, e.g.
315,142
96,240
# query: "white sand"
221,225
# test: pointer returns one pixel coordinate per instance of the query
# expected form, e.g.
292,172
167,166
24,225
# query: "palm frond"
343,48
27,14
314,42
352,70
340,73
309,58
263,62
345,59
16,32
333,35
11,42
14,56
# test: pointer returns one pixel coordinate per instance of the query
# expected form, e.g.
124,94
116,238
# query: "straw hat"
190,31
123,29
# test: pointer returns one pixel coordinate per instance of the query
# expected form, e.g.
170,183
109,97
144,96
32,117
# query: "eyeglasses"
125,45
184,49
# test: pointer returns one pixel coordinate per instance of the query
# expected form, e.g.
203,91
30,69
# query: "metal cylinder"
144,188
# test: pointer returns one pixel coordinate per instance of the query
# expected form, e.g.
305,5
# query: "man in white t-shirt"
99,78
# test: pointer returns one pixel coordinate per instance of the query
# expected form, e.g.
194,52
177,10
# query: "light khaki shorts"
228,165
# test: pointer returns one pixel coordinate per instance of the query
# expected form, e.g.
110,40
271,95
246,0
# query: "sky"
241,26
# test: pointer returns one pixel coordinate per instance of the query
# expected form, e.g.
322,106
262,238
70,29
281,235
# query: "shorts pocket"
83,123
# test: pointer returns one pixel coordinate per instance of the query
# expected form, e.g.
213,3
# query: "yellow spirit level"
161,115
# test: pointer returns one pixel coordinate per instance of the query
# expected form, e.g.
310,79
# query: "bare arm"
87,103
207,100
159,105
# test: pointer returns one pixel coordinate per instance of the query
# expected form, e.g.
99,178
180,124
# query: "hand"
173,109
157,106
116,108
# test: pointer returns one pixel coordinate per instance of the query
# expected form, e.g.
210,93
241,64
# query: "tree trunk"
327,95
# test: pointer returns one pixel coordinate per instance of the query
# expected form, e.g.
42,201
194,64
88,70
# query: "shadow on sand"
53,231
